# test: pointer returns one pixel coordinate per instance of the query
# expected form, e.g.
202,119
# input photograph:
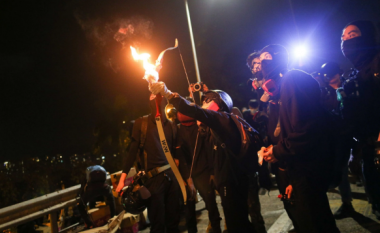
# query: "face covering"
270,68
353,47
258,75
358,50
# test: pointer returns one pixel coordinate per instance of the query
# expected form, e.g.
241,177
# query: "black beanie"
280,55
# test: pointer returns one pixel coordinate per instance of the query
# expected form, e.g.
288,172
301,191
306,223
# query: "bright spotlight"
300,51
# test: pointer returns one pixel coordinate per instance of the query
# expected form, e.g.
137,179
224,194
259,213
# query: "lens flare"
300,51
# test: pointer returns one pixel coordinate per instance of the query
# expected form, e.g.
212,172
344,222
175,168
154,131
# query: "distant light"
114,155
300,51
123,122
103,157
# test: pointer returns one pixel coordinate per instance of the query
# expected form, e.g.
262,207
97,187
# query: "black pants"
207,192
191,217
234,201
312,209
254,207
163,205
282,180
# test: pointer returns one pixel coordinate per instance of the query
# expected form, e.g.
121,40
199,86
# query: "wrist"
168,94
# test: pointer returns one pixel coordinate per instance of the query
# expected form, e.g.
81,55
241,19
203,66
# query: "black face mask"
357,50
258,75
267,67
351,48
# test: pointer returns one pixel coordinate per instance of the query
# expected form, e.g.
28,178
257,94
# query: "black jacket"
366,110
304,137
226,168
186,141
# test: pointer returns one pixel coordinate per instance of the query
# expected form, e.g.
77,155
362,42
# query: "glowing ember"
151,74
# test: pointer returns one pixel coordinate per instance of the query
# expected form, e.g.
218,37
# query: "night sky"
59,60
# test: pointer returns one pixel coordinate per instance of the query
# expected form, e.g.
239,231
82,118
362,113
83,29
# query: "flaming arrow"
151,75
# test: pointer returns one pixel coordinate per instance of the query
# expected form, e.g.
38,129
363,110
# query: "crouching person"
94,187
229,137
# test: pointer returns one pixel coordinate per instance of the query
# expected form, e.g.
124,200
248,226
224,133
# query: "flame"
151,74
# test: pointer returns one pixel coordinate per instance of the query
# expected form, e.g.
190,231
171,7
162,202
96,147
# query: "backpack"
251,143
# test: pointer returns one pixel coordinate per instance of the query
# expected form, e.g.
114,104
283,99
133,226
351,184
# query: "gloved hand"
160,88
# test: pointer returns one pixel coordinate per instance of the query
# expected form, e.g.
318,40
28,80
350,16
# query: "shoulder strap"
144,129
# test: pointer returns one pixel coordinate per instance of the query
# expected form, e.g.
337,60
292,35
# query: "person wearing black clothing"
303,143
231,178
271,95
329,79
258,120
163,205
255,83
91,190
197,168
360,97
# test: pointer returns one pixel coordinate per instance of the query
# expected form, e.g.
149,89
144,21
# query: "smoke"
113,36
123,30
133,28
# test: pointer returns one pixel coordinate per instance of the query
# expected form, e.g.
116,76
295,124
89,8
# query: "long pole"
192,42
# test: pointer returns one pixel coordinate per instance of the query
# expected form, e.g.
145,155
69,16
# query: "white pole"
192,42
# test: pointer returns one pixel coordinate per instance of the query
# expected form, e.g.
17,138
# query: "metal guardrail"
32,209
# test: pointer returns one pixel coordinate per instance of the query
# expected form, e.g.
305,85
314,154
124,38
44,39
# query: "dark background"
60,66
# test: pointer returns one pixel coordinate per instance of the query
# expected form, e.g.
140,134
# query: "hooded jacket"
226,168
304,136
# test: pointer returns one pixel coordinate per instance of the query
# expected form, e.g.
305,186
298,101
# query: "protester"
163,205
230,167
255,83
329,79
196,167
360,98
256,118
92,188
303,139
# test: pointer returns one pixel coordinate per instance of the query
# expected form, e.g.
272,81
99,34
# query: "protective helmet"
329,70
135,202
96,174
221,98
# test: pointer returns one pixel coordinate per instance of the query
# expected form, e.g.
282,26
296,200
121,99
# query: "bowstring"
184,68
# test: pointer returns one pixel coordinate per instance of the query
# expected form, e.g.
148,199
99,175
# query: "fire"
151,73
